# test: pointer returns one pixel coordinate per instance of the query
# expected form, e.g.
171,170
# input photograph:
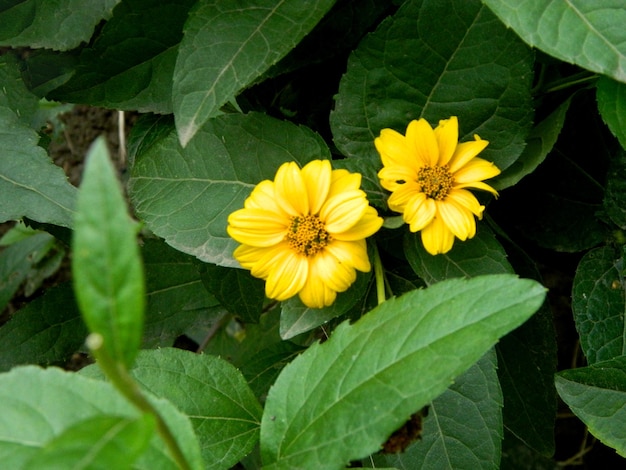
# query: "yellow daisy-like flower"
428,172
304,232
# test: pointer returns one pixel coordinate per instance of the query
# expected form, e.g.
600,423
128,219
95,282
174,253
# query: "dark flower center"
435,181
307,235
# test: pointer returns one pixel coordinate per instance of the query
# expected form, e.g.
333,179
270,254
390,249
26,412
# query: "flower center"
436,181
307,235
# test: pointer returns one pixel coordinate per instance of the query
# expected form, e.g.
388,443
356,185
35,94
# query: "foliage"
446,361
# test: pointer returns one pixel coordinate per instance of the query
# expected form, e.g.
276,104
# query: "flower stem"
380,276
118,374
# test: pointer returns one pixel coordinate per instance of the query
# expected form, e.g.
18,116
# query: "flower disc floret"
429,173
304,232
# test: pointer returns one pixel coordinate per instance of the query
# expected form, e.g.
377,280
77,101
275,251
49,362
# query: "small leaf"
227,46
589,34
597,395
463,426
341,399
98,443
60,25
107,270
598,304
185,195
611,97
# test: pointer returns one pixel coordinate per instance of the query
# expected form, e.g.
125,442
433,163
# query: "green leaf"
98,443
236,289
614,202
465,64
227,46
58,24
597,395
47,331
463,427
341,399
297,318
539,143
185,195
482,254
611,97
589,34
130,64
107,270
35,187
598,304
46,402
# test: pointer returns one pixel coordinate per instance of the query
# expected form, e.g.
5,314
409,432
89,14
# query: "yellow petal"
257,227
317,178
343,211
459,220
447,134
367,226
437,238
401,196
266,259
477,185
248,256
290,191
394,177
467,200
422,143
288,275
419,212
352,253
465,152
336,275
262,196
394,149
342,181
316,294
476,170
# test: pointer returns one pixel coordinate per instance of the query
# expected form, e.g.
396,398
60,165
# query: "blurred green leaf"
59,24
130,64
99,443
185,195
589,34
598,304
614,202
611,97
597,395
13,94
227,46
310,418
223,411
463,428
106,266
46,402
465,64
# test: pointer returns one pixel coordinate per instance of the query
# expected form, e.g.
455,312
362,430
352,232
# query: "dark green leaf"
465,64
598,304
597,395
98,443
130,65
226,46
185,195
589,34
107,270
463,428
46,402
611,97
59,24
310,418
615,194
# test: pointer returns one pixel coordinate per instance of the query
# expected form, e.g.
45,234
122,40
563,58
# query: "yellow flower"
304,232
428,173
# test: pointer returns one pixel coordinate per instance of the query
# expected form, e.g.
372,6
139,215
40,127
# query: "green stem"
126,385
380,276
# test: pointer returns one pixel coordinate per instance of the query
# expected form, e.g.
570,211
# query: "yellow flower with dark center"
304,232
428,173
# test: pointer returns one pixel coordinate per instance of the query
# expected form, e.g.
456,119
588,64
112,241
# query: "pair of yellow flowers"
304,233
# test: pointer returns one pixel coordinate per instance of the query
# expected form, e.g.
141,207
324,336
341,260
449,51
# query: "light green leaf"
130,64
611,97
463,426
53,24
426,62
99,443
227,46
589,34
597,395
46,402
341,399
107,270
598,304
185,195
